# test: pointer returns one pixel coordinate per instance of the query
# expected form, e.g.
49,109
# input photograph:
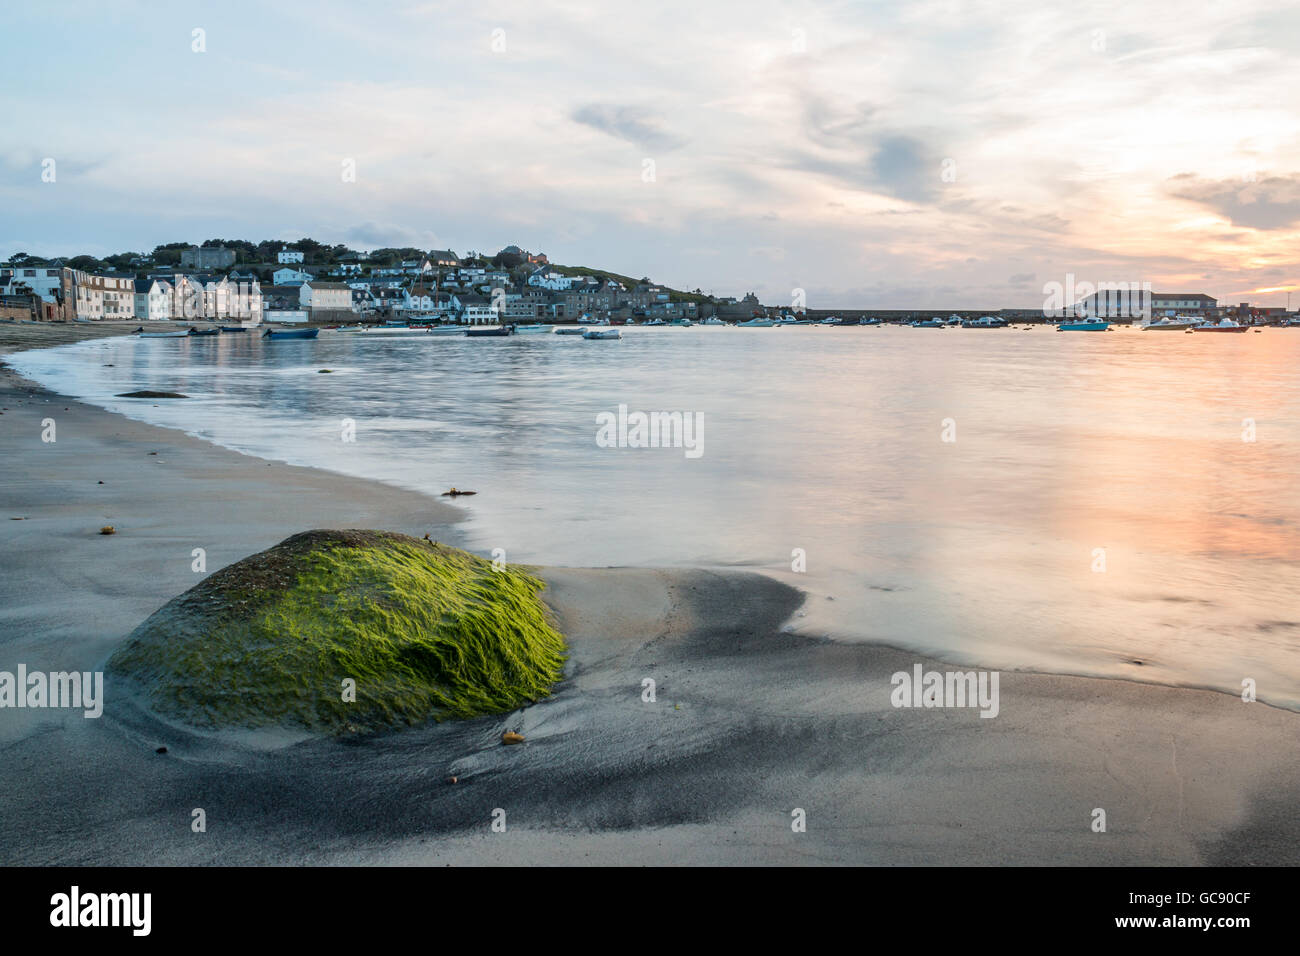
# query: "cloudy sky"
928,154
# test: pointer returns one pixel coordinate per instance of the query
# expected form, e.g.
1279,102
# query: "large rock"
425,631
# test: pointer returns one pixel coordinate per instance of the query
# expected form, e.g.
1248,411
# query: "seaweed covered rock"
425,631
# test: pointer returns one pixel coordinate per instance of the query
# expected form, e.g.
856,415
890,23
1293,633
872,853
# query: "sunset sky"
920,154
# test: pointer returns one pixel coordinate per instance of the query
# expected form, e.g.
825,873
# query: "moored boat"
602,334
234,328
290,333
1223,325
1093,325
182,334
569,330
1173,323
534,327
481,333
756,324
194,331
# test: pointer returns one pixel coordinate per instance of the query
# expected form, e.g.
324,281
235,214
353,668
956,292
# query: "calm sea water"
983,549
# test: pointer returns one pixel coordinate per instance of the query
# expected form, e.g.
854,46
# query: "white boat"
832,320
391,330
602,334
1173,323
713,320
570,330
161,335
1223,325
534,327
756,324
656,322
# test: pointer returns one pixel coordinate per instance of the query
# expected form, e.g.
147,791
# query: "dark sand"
749,723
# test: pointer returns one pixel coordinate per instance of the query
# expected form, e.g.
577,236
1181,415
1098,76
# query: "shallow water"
830,440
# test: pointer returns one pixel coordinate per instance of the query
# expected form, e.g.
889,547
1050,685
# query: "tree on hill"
120,260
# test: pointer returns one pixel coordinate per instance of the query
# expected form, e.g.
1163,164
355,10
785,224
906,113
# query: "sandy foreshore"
749,723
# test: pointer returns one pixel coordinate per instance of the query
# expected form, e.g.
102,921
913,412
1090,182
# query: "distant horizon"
925,154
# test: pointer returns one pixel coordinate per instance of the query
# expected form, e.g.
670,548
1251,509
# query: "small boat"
713,320
194,331
234,328
1224,325
445,330
569,330
534,327
756,324
656,322
1176,323
935,323
290,333
402,329
161,335
1092,325
481,333
602,334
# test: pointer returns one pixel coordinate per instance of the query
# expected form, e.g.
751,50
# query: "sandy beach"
749,723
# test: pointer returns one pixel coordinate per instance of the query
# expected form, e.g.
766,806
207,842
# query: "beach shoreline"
749,723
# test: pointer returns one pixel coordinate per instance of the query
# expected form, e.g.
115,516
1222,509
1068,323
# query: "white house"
480,315
422,299
552,280
153,300
45,281
288,256
326,297
290,277
417,266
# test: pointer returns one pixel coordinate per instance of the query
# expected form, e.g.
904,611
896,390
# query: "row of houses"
60,292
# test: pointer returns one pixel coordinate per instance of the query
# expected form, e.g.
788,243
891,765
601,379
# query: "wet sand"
748,725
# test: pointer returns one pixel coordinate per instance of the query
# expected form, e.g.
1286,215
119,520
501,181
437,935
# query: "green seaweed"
426,631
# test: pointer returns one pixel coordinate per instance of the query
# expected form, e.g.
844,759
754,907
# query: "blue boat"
290,333
1090,326
194,331
234,328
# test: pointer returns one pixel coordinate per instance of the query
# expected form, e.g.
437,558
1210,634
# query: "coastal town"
310,283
